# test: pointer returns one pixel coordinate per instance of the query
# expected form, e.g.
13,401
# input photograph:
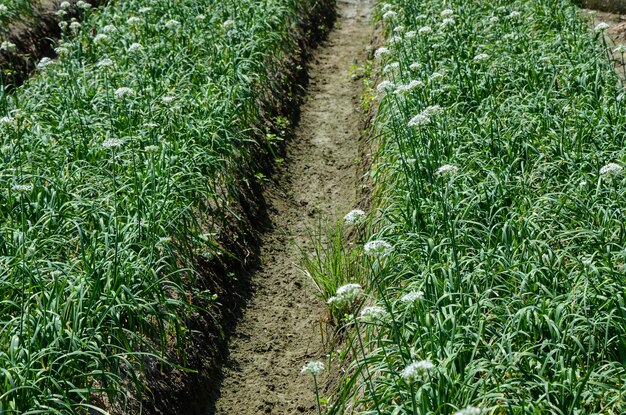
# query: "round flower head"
312,368
83,5
100,38
374,314
3,9
514,15
611,168
7,120
446,169
415,66
64,5
447,13
409,87
448,21
385,86
172,24
145,10
105,63
424,30
380,52
393,66
23,188
416,370
470,410
135,47
349,292
112,143
481,57
75,26
150,148
435,76
419,120
133,21
124,92
354,217
412,297
601,27
8,46
377,248
389,15
110,29
411,34
44,63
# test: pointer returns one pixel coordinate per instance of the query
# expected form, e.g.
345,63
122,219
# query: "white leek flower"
112,143
124,92
424,30
349,292
412,297
354,217
378,248
409,87
133,21
445,169
374,313
380,52
470,410
23,188
447,13
385,86
105,63
610,168
389,15
44,63
417,370
448,21
135,47
481,57
312,368
8,46
514,14
100,38
419,120
83,5
601,27
172,24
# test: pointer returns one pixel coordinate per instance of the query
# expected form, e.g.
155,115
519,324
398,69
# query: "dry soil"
279,330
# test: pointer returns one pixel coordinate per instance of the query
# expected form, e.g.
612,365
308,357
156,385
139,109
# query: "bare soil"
615,35
34,36
280,328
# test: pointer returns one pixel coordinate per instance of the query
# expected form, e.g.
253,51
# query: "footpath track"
279,330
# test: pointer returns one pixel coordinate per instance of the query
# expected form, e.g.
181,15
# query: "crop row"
119,169
494,275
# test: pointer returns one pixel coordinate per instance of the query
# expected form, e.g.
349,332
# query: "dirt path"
280,327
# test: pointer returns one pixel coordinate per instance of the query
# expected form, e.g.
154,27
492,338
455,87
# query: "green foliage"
495,188
118,168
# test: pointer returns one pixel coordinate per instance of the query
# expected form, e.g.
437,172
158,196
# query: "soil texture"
280,328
